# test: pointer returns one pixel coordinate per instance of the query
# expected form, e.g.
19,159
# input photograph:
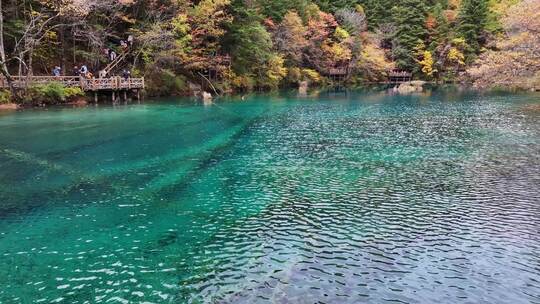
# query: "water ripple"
366,199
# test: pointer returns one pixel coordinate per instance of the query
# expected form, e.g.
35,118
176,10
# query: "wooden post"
125,95
138,95
95,97
113,96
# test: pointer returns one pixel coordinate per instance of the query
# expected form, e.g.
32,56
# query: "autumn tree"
321,51
516,59
207,25
290,38
373,64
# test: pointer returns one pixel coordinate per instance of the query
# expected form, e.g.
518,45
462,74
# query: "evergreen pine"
409,18
377,11
441,33
473,17
335,5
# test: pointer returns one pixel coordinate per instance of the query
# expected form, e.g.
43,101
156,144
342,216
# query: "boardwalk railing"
93,84
335,71
397,76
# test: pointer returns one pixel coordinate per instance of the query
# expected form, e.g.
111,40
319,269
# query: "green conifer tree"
409,18
441,33
377,11
335,5
473,17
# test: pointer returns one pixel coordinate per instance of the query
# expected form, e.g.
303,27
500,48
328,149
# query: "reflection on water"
340,198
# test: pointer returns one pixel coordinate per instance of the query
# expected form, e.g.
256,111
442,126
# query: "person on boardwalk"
102,74
130,40
56,71
83,71
112,55
76,71
126,74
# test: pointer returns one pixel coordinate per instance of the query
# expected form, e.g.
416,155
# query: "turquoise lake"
359,197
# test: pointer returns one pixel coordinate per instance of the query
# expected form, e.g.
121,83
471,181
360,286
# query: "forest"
244,45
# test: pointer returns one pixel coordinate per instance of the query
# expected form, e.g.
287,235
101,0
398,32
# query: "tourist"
102,74
130,40
83,71
123,44
56,71
112,55
76,71
126,74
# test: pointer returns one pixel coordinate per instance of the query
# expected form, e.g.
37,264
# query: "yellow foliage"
419,49
243,82
427,63
208,14
373,63
51,35
459,43
276,70
180,24
360,9
312,75
341,34
500,7
456,56
337,52
454,4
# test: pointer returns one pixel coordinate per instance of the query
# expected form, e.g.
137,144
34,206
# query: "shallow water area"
342,197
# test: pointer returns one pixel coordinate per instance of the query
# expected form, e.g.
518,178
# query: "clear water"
343,198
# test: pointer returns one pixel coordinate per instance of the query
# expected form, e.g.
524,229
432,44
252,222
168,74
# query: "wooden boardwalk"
90,85
397,76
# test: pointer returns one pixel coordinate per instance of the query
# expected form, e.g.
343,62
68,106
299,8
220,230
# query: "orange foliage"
431,22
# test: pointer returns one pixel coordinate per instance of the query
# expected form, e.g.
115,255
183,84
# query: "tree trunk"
3,64
63,51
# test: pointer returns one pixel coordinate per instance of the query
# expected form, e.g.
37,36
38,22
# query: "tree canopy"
260,43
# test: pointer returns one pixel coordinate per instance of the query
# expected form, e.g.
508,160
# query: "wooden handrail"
116,61
92,84
399,74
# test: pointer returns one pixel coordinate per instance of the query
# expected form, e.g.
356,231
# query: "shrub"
51,93
71,92
162,82
5,96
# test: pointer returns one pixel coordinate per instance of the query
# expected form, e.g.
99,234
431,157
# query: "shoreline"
10,107
382,87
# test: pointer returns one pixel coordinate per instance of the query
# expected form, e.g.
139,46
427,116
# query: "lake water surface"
341,198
